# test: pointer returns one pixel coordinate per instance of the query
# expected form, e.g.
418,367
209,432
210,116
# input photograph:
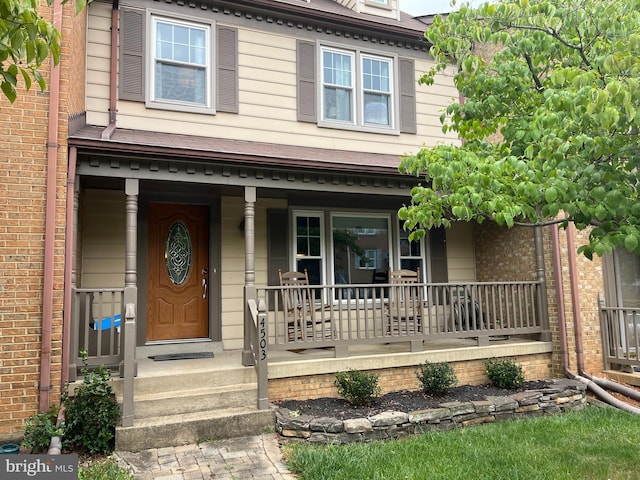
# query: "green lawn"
594,444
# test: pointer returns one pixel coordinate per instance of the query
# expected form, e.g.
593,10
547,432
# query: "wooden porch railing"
620,332
98,316
343,315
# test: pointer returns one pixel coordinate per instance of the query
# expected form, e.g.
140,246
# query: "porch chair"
406,306
467,313
380,276
307,321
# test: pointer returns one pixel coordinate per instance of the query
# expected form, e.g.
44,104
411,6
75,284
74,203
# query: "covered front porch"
465,305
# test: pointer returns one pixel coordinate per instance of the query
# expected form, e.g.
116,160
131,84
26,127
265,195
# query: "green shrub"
104,470
91,413
436,378
359,388
504,373
39,429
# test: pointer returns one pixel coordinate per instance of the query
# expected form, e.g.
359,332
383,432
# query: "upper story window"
338,99
353,89
357,89
181,63
382,3
376,91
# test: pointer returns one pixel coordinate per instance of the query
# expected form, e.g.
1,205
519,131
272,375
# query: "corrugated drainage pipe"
591,384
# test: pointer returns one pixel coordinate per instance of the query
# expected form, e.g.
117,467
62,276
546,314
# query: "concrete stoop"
189,428
191,405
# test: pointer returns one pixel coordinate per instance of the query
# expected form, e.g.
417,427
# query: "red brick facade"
24,134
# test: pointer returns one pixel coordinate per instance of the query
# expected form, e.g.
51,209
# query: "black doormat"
180,356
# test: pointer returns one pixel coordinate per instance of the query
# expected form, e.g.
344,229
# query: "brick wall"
509,254
23,189
503,254
395,379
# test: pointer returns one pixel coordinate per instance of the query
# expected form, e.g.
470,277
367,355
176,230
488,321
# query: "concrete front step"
194,400
184,429
186,380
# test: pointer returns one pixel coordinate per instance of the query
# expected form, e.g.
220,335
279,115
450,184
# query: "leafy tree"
550,120
26,40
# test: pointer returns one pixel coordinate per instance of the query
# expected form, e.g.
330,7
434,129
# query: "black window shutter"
277,244
132,46
227,74
438,255
306,95
408,123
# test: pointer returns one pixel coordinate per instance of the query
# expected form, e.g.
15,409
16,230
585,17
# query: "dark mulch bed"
403,401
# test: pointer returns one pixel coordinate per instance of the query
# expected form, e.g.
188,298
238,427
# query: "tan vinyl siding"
103,239
267,97
98,53
233,258
460,256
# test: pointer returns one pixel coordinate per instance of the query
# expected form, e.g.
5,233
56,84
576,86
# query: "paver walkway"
245,458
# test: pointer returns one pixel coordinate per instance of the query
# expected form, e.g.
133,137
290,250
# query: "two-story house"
213,146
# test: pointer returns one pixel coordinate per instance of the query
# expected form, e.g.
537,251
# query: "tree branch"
536,80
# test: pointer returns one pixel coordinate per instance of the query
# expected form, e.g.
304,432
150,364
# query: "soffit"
327,16
142,154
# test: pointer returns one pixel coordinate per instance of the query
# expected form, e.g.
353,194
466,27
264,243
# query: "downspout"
589,382
68,264
113,74
49,225
577,318
575,296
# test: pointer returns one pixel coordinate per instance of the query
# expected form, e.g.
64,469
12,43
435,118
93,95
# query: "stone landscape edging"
558,396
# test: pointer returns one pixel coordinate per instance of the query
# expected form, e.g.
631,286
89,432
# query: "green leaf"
631,243
550,195
9,91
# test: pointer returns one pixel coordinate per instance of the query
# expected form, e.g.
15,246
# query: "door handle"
204,288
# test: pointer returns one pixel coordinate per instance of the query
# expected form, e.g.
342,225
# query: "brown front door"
178,288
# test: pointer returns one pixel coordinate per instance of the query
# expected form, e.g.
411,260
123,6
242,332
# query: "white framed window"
308,244
411,253
357,89
181,64
356,256
376,91
338,84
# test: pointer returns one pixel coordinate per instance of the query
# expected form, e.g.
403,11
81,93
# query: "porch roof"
241,152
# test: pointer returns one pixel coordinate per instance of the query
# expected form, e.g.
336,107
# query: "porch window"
359,248
308,246
411,253
361,245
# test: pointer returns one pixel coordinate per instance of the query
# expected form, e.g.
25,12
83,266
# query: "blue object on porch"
107,322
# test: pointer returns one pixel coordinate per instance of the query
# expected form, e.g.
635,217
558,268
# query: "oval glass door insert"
178,253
